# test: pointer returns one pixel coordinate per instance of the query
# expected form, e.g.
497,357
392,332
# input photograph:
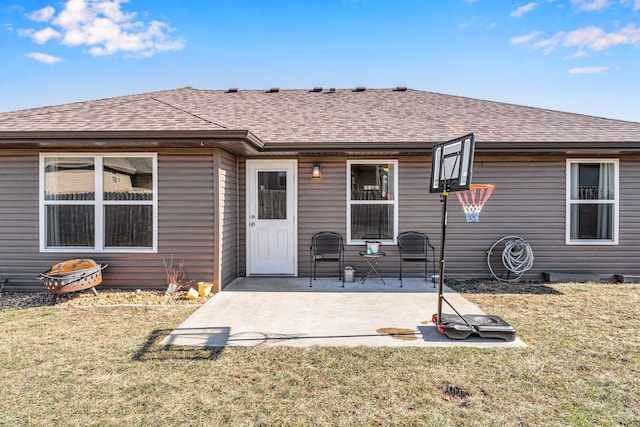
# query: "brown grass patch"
105,366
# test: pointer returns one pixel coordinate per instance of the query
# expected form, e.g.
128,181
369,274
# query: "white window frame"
99,204
393,202
615,202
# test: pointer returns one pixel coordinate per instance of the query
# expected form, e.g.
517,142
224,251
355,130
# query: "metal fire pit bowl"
72,275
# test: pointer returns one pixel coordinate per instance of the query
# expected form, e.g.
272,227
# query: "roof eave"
418,147
240,142
565,147
244,143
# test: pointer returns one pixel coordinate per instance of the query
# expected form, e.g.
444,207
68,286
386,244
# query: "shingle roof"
307,116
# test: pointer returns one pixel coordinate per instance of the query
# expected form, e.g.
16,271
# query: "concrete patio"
286,311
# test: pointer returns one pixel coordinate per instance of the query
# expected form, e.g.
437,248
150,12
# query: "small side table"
372,260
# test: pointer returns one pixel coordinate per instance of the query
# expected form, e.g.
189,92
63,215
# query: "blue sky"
581,56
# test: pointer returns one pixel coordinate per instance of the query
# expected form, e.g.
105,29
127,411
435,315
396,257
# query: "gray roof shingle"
343,115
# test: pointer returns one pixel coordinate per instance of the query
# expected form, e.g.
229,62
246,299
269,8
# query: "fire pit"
71,276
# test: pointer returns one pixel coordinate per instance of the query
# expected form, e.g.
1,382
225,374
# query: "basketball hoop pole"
443,233
451,170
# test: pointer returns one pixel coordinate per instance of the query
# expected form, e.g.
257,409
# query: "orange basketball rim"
473,199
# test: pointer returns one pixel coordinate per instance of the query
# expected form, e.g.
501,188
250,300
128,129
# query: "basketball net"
473,199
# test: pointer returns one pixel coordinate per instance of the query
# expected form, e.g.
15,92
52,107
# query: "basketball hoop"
473,199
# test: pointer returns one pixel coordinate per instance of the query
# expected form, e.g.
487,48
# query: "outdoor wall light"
315,172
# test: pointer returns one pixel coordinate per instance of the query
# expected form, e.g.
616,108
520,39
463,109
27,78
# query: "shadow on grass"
496,287
153,350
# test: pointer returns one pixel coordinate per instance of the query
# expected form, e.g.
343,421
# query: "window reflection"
272,195
80,210
128,178
372,181
372,200
69,178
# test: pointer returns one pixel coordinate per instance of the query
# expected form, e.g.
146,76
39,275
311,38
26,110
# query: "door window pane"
272,195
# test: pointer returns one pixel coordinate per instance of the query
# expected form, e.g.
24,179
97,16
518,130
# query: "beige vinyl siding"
321,207
19,258
629,217
186,211
227,220
242,218
186,217
528,201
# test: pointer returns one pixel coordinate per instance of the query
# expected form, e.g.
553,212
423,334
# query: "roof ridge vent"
274,90
233,90
400,89
316,89
359,89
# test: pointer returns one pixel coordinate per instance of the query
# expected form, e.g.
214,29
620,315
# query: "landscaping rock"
105,297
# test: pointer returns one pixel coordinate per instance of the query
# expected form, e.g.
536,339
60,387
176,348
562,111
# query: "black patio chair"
326,246
414,247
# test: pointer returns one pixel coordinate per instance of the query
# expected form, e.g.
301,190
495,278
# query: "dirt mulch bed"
105,297
489,286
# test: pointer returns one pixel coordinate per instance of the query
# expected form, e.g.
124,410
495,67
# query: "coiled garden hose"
517,257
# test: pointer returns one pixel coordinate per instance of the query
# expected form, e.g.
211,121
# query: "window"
272,195
98,202
592,202
372,200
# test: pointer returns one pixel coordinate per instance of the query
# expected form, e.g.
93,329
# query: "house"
223,180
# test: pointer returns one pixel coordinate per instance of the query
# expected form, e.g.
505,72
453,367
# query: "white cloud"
43,57
525,38
595,38
588,70
42,15
592,38
579,54
44,35
104,28
549,45
591,5
23,32
636,5
524,9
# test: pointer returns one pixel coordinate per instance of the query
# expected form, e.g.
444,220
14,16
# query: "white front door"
272,240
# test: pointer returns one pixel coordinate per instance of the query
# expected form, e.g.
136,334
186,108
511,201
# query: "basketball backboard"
452,164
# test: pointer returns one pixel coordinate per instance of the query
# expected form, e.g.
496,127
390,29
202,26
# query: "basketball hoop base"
482,325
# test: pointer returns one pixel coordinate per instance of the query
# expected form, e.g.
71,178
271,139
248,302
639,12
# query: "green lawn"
104,366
